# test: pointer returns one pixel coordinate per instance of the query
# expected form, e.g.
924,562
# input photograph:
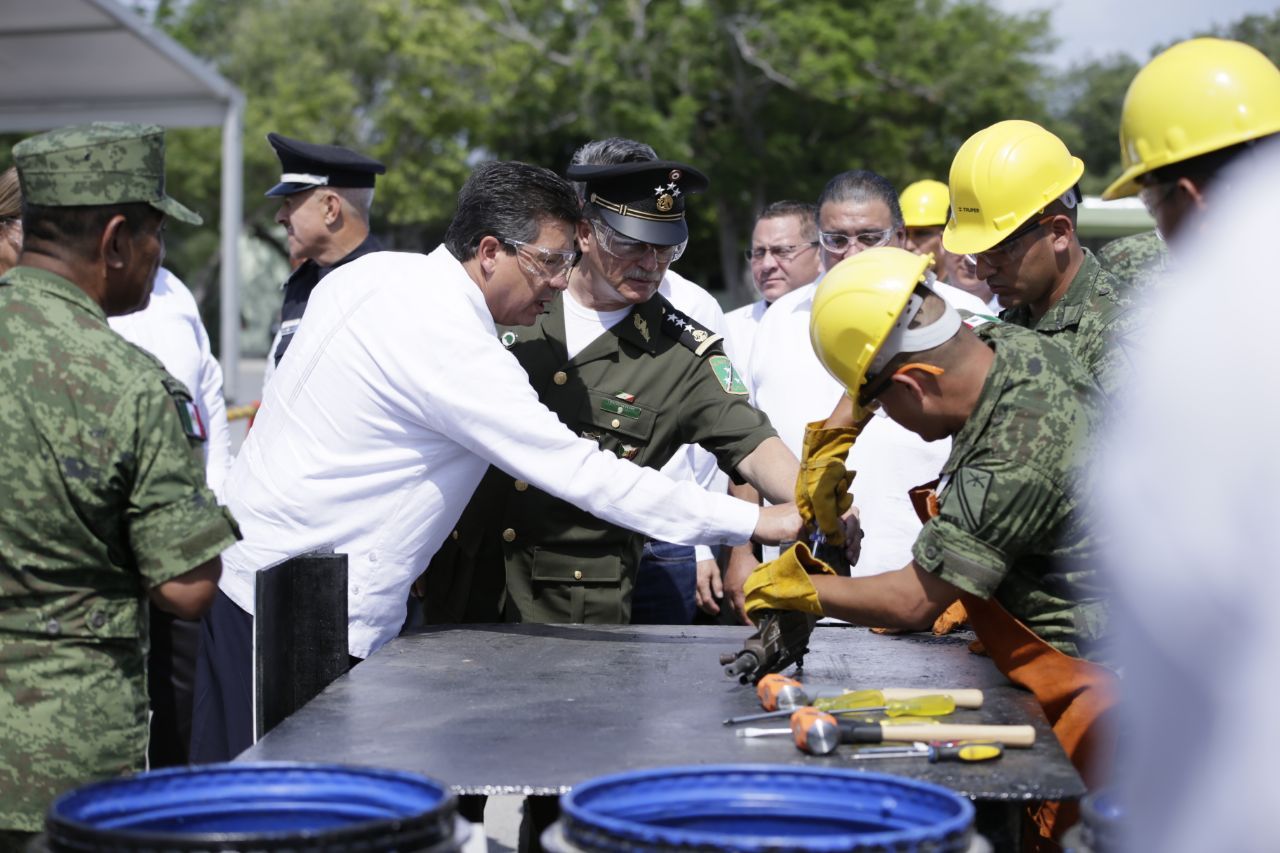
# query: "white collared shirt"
170,328
375,431
741,325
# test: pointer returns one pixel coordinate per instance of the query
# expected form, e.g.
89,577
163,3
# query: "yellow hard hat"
1198,96
925,203
857,304
1002,176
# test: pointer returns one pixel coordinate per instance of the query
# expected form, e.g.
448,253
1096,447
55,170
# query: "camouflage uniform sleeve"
988,517
174,521
716,413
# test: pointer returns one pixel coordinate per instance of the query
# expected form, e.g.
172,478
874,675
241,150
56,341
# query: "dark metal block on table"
300,635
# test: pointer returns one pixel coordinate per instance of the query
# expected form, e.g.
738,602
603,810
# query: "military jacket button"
577,574
508,535
453,535
52,628
521,485
615,423
560,377
98,619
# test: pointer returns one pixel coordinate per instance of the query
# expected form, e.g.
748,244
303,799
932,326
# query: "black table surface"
537,709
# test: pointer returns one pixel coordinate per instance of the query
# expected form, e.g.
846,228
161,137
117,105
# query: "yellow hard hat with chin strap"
925,203
1197,97
1001,177
862,310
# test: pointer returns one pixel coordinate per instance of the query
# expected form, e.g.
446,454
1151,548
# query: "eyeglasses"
1003,251
1155,195
541,261
626,249
834,241
782,253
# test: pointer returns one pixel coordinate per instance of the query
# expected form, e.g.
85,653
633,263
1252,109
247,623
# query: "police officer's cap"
305,165
643,200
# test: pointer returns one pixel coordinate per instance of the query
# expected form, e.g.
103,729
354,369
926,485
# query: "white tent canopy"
76,61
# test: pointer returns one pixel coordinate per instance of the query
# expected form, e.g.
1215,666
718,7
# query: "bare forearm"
910,598
771,469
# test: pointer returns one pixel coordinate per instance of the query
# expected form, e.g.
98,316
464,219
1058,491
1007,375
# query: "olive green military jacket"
1011,524
652,383
102,498
1091,319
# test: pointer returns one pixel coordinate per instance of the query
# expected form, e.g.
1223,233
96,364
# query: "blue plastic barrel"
1100,829
749,808
267,806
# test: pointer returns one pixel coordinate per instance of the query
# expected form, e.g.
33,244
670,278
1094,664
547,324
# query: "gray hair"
358,199
609,152
806,213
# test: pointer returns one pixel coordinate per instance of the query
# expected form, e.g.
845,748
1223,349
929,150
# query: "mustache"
643,274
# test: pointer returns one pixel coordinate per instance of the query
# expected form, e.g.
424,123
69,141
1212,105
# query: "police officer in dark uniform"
325,193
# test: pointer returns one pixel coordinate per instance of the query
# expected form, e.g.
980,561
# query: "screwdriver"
778,731
967,751
777,691
863,702
818,733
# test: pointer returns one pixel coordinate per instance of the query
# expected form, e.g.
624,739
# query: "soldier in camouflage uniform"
1135,262
1005,528
104,501
1014,196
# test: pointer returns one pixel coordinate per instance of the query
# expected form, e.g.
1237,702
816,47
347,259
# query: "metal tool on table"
862,702
777,731
781,639
780,692
971,751
819,733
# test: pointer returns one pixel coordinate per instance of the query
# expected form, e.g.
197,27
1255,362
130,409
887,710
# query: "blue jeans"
666,582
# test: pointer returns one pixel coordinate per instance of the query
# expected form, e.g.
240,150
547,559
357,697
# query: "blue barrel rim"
432,827
587,828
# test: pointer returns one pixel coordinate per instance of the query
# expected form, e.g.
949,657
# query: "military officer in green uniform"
1014,190
104,503
622,366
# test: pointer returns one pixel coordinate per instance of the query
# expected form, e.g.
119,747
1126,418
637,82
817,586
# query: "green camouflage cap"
97,164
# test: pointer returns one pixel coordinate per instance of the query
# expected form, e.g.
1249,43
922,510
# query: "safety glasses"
541,261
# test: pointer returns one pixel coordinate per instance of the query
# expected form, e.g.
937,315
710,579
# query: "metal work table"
536,709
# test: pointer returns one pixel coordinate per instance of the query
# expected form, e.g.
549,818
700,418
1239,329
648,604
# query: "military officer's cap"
97,164
643,200
304,165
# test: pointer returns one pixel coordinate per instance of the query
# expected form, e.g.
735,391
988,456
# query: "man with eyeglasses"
1190,113
783,257
856,211
396,397
1014,198
623,367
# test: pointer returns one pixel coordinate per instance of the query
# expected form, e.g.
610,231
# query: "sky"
1092,29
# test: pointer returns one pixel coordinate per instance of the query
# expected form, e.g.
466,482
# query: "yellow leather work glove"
950,619
822,487
784,584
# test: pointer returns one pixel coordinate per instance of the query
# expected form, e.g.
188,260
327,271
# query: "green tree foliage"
1091,95
770,98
